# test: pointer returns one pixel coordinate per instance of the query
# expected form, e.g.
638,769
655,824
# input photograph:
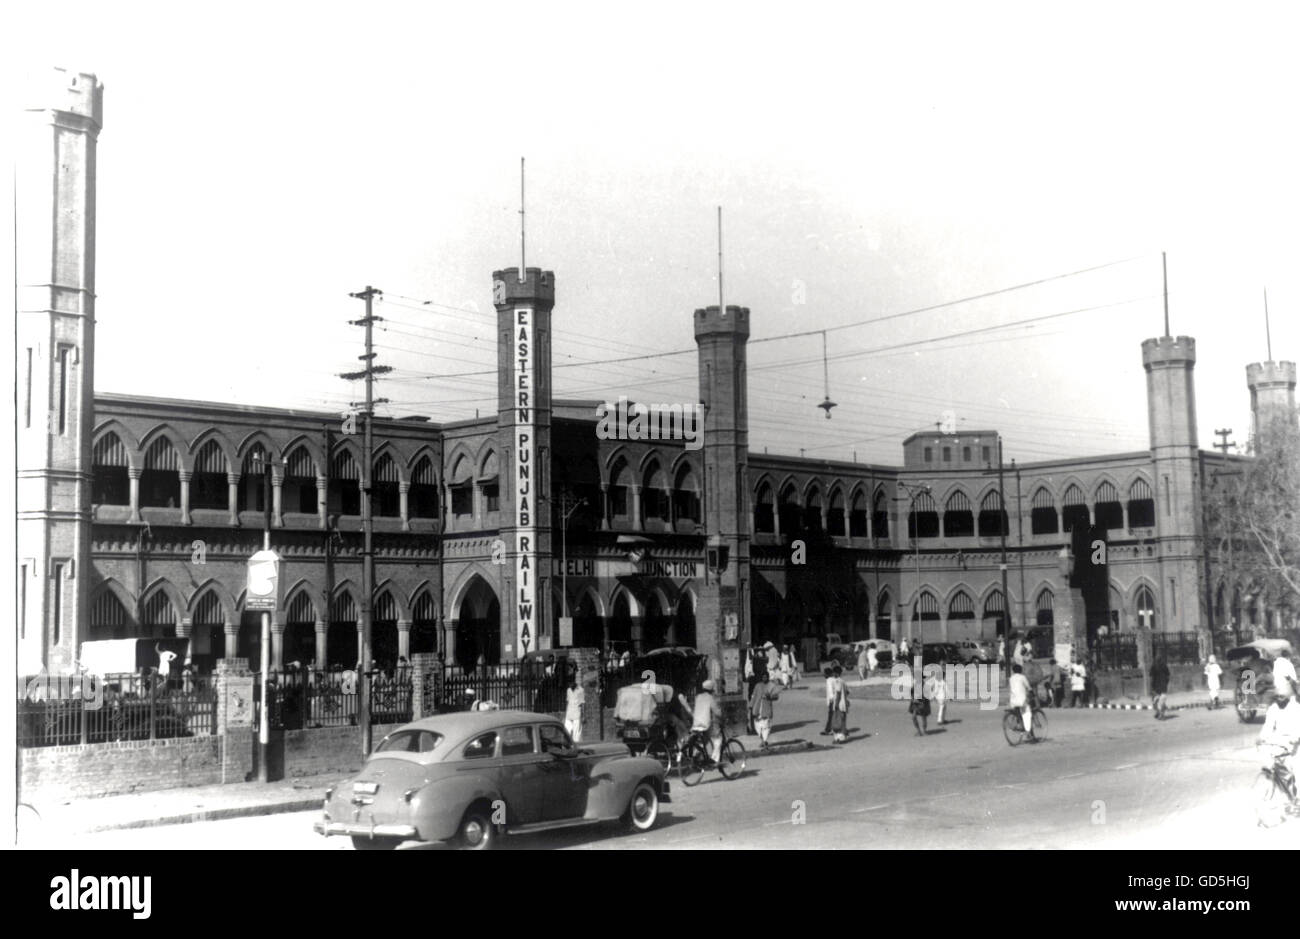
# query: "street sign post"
262,592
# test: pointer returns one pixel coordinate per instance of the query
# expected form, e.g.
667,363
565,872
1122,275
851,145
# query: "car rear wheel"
364,843
476,832
643,808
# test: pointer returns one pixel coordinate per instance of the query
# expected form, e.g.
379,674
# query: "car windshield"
409,741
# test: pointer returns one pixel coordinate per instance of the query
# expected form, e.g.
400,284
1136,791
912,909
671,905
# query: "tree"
1252,515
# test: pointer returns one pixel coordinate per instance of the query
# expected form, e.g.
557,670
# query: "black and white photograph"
765,427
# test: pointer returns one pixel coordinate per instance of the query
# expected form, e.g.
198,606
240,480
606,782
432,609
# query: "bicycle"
1013,725
694,758
1271,785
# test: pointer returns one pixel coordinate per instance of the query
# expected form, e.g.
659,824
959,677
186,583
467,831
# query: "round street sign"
263,581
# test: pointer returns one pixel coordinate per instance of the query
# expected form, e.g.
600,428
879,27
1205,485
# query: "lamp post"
261,462
913,493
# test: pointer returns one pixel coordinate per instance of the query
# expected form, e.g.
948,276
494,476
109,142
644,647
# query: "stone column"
604,506
232,638
636,508
277,642
322,643
404,637
185,497
425,694
357,657
449,628
404,493
135,493
232,497
672,513
277,496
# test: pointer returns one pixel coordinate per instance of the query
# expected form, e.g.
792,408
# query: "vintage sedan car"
471,777
980,651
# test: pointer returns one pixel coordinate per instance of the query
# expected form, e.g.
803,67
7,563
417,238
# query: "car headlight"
410,794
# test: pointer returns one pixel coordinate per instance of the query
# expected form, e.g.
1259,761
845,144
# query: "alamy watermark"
970,682
636,421
71,684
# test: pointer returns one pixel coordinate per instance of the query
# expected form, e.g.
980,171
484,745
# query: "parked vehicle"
472,777
1252,667
942,653
980,651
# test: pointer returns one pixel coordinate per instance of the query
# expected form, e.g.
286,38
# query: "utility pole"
1002,527
367,522
1020,548
1224,443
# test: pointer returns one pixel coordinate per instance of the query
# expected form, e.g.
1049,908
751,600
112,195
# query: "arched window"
880,515
923,517
992,621
158,615
1045,606
207,630
160,483
961,606
686,495
252,480
884,615
812,513
208,484
299,486
345,485
1076,508
1141,505
299,642
1110,514
111,480
764,510
1220,606
858,515
926,608
108,618
385,489
1042,517
958,521
1145,607
993,518
835,514
462,489
489,481
424,624
619,480
424,490
790,512
655,495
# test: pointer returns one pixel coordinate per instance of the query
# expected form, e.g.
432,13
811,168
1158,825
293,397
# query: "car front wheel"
643,808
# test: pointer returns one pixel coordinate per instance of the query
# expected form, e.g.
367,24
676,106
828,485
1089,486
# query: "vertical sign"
526,572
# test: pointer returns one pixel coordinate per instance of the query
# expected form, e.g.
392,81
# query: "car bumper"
323,827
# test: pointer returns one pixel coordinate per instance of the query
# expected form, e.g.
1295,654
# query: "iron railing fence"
58,711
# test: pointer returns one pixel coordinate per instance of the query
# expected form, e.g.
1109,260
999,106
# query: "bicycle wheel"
1269,800
732,763
1013,727
660,751
1040,725
692,762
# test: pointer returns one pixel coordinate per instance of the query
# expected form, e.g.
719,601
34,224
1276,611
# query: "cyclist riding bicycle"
1280,736
1021,697
708,718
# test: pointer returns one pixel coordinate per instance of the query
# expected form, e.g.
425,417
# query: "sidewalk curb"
1147,707
204,815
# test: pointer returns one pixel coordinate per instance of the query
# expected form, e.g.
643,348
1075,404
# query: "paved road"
1102,779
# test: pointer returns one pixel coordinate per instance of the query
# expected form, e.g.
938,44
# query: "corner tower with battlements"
1272,395
722,619
1171,411
55,313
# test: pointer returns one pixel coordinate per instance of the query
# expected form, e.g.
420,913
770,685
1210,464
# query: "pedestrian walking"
1213,680
1057,679
840,706
903,652
773,658
787,666
830,698
873,658
760,707
1159,687
575,702
1284,676
919,708
1078,684
937,692
864,663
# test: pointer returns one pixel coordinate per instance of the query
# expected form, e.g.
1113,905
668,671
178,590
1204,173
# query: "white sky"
259,161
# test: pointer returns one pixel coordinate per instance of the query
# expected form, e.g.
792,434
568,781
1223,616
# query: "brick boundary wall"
104,769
